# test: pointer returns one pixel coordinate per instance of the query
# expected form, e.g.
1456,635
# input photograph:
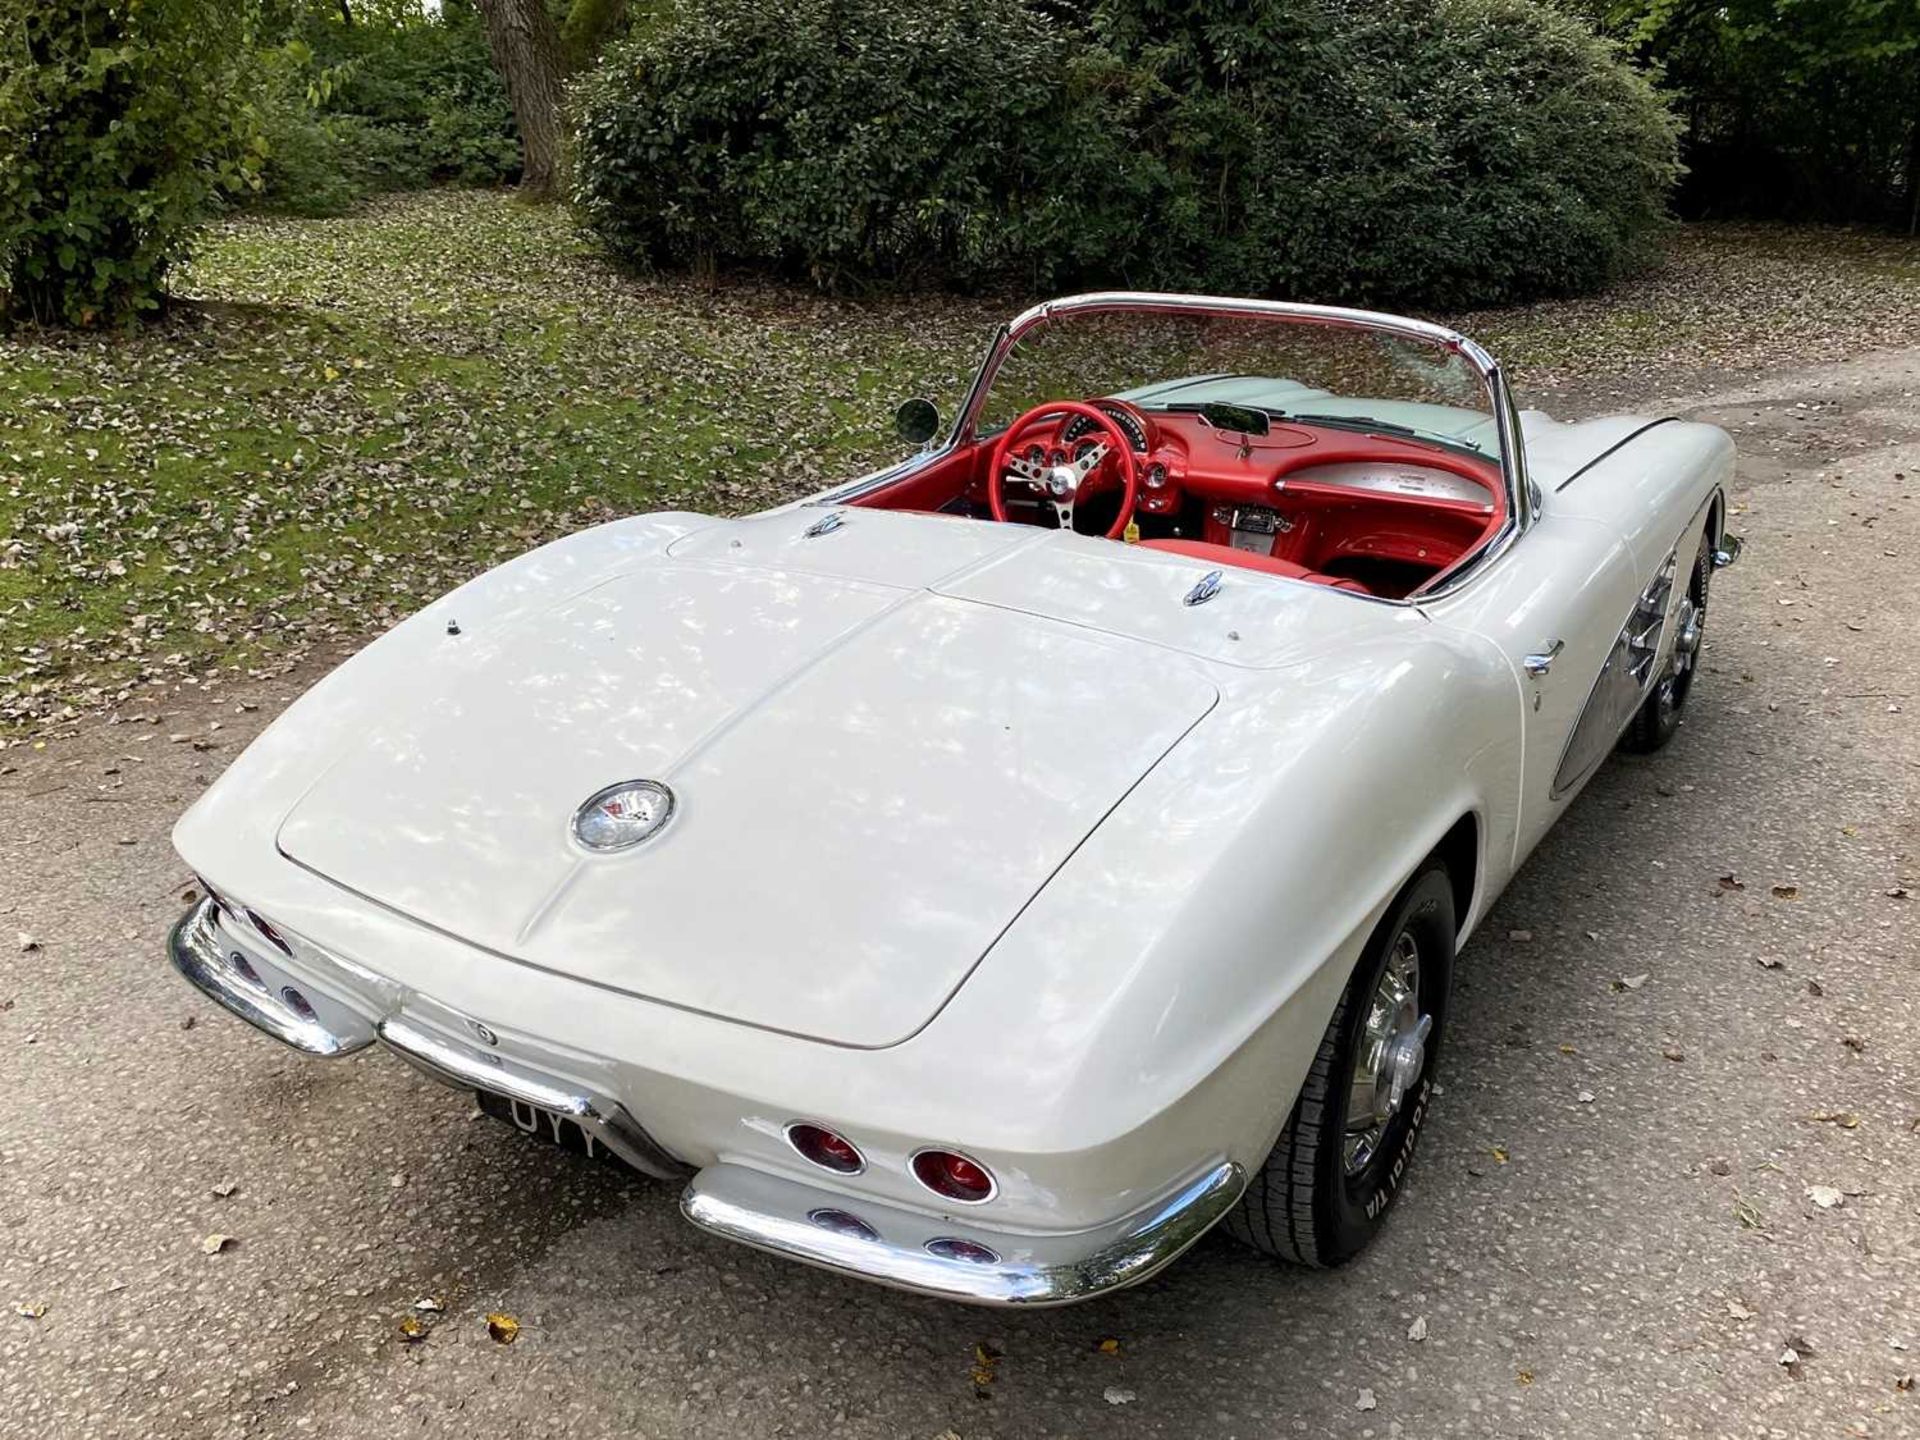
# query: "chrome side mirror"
917,421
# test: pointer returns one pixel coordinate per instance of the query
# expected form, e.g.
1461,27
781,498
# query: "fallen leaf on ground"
1631,982
1786,892
1499,1153
226,1188
1767,962
1738,1311
1365,1400
1748,1215
27,943
1107,1345
428,1305
216,1242
503,1328
1732,882
412,1329
1585,1097
1845,1119
1114,1395
30,1309
1525,1377
1417,1331
1825,1196
1674,1054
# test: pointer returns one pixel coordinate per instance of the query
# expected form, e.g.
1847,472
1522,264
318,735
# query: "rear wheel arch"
1459,852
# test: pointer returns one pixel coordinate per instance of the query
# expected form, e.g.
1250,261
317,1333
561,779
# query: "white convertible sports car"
986,876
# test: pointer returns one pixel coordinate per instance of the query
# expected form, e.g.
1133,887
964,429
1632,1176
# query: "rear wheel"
1658,719
1338,1166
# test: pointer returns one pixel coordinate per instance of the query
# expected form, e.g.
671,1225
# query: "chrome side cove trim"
773,1213
235,982
452,1063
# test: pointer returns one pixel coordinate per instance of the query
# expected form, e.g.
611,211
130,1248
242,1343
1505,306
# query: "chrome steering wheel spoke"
1025,469
1085,463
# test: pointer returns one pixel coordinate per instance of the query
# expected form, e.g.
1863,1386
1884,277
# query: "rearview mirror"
917,421
1240,419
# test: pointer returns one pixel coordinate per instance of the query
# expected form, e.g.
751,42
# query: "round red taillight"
299,1004
954,1176
842,1223
973,1253
825,1149
259,922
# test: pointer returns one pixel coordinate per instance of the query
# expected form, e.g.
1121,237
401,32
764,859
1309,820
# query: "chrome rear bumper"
253,987
801,1223
291,1008
886,1243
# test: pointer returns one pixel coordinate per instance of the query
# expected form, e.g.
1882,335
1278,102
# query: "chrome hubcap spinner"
1390,1057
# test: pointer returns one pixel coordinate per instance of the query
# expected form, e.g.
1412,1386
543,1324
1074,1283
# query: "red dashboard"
1389,512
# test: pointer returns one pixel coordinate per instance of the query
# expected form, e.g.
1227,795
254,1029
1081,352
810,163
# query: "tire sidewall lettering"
1383,1195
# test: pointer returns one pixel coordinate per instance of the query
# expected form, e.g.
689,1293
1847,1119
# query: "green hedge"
844,139
390,102
1418,151
120,125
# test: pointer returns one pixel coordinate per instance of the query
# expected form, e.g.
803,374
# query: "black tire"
1658,719
1302,1205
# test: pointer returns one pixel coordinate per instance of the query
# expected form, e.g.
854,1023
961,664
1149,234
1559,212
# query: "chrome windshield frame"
1520,502
1523,501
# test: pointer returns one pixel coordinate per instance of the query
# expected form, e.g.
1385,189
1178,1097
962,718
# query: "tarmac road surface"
1609,1231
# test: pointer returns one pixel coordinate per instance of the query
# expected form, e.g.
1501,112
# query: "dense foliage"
844,139
1794,108
1459,152
120,123
1462,152
372,98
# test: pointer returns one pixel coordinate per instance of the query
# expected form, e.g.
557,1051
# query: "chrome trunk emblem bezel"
591,822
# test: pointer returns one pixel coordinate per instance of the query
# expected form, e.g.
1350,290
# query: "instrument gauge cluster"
1079,427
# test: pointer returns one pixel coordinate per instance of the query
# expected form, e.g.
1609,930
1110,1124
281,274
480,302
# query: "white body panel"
988,840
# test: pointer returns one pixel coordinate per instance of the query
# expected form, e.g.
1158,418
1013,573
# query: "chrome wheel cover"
1688,622
1390,1056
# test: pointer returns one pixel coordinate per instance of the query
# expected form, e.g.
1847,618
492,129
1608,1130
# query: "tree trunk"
526,52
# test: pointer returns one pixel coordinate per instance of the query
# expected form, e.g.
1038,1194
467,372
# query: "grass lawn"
355,414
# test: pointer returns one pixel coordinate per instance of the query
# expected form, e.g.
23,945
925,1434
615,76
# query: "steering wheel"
1062,485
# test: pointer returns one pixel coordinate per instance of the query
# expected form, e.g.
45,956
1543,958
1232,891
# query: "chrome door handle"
1541,661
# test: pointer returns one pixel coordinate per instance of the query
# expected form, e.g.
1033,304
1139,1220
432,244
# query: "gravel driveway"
1638,1200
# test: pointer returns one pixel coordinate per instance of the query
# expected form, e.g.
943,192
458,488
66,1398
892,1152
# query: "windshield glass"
1287,367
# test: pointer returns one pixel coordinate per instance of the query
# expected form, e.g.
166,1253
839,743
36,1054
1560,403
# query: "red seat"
1250,560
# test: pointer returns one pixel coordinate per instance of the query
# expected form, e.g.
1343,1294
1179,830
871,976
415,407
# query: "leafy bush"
846,139
1802,110
306,167
397,100
121,121
1464,151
